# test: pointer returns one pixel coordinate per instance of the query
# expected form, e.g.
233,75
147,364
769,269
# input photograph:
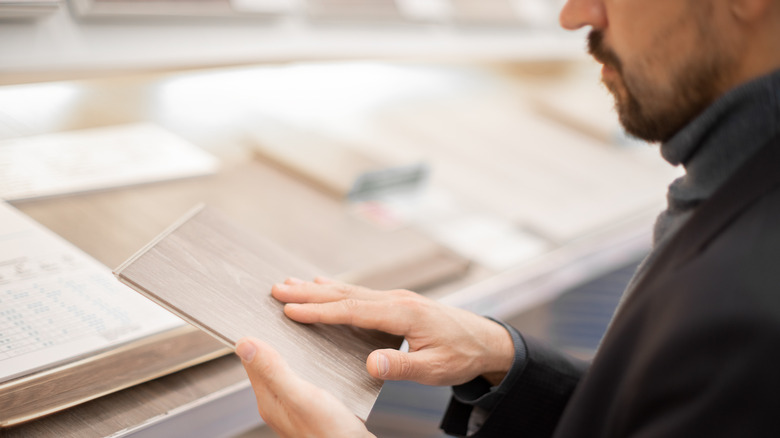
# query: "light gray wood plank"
218,276
100,224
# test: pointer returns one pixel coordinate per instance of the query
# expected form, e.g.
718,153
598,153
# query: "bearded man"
694,348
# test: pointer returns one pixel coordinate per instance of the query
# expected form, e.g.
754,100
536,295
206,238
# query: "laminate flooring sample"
218,277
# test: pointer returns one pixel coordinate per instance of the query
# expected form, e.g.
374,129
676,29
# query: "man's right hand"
447,345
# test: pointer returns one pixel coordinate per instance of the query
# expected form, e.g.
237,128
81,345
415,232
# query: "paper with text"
58,304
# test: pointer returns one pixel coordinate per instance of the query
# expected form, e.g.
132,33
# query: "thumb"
264,365
391,364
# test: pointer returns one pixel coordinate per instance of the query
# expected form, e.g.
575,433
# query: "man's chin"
628,109
629,115
618,92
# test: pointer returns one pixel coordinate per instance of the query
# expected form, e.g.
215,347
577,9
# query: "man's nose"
580,13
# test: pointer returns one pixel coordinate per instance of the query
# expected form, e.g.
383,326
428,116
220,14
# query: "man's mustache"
601,53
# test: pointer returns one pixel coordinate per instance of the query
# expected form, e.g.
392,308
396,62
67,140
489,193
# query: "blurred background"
461,148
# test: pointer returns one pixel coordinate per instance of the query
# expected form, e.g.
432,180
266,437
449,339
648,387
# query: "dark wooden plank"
64,386
126,410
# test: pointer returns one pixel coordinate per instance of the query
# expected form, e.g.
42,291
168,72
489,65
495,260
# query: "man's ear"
748,11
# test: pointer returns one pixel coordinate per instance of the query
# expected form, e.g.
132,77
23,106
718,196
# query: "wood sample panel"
111,225
218,276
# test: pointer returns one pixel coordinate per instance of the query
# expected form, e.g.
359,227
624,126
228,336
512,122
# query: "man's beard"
653,113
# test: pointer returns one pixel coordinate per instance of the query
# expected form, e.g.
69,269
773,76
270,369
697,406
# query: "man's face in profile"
664,60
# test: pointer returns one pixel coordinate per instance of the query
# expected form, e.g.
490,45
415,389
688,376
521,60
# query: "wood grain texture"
113,414
111,225
218,276
49,391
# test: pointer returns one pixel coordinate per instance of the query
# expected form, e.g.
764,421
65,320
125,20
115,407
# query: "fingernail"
293,280
382,364
246,351
292,305
282,287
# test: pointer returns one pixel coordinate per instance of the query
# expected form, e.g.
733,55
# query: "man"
694,348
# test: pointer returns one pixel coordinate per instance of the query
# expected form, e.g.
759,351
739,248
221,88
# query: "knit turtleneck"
711,148
716,144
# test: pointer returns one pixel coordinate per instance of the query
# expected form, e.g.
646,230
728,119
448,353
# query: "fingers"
328,302
265,367
376,315
270,375
289,404
322,290
324,280
421,366
262,364
278,390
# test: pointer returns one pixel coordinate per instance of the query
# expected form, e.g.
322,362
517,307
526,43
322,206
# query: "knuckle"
350,304
412,302
346,289
405,368
266,371
438,372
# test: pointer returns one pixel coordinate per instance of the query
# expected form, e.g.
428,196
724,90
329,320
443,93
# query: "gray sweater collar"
715,144
712,147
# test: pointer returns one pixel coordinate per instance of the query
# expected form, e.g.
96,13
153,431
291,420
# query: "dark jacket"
695,349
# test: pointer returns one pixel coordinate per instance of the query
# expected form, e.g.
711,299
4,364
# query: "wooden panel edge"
189,338
171,228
